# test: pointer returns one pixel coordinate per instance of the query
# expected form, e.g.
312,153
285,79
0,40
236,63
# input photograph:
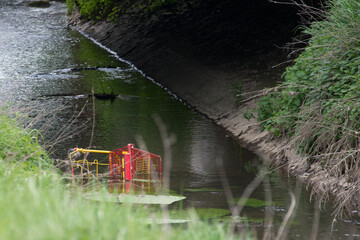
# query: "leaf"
149,199
135,199
187,215
201,213
254,202
166,221
203,190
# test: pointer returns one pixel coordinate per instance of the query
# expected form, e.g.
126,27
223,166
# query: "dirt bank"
200,51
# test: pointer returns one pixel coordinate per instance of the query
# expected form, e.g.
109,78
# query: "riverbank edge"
280,153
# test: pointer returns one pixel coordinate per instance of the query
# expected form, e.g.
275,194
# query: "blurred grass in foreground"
35,203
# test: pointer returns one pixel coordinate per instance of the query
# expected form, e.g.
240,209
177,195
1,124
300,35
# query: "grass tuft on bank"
318,103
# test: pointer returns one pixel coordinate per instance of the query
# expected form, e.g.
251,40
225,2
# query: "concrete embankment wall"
201,48
200,51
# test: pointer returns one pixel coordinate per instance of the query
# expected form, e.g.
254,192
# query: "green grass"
111,9
318,105
35,203
318,102
18,144
39,207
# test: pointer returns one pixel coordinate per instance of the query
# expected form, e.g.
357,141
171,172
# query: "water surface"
51,71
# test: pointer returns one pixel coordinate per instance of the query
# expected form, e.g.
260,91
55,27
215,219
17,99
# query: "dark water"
50,71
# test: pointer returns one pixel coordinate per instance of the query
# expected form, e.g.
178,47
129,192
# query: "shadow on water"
52,72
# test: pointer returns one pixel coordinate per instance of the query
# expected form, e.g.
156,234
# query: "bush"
94,9
111,9
20,145
318,102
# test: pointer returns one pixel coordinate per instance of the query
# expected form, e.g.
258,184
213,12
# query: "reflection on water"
118,185
51,73
134,186
203,149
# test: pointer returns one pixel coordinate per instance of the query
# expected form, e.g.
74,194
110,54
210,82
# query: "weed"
237,91
157,4
325,75
21,145
318,102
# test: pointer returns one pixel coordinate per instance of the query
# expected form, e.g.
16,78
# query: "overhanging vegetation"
318,103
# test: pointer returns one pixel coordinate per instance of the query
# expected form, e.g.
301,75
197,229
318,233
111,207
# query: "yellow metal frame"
80,163
144,164
89,151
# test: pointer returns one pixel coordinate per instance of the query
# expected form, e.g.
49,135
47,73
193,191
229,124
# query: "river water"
50,71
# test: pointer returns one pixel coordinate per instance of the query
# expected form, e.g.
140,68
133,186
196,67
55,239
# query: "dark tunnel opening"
229,29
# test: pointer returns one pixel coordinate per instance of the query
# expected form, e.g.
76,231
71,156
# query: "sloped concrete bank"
199,53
